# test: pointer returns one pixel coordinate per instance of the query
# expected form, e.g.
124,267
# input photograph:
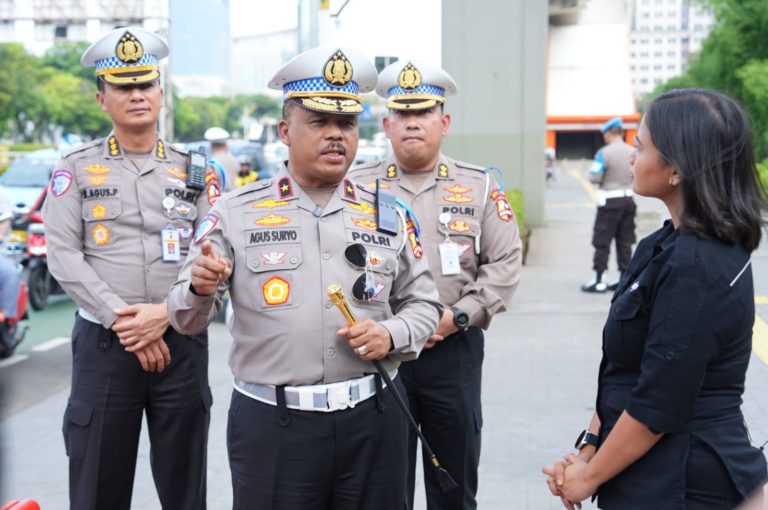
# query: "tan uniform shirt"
616,172
480,221
286,252
104,220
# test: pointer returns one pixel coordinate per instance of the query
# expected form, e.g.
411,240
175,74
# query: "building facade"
665,33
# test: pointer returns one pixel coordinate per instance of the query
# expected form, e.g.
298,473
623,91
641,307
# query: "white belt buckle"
339,398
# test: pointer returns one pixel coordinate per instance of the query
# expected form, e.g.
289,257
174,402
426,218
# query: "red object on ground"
28,504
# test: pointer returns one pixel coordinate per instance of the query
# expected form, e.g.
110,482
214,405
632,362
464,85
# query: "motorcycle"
13,329
41,283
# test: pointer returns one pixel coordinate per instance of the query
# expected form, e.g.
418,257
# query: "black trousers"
444,387
614,220
708,485
285,459
110,393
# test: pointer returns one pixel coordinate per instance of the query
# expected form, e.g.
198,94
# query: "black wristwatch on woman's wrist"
585,438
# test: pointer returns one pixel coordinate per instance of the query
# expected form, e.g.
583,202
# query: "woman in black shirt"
668,432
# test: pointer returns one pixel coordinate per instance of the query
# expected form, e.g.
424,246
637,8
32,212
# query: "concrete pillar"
496,52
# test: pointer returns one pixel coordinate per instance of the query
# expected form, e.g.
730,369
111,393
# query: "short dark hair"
288,105
100,84
705,136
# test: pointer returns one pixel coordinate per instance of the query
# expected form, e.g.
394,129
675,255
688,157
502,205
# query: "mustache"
334,146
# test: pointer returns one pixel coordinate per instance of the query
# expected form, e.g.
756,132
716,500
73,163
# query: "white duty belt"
618,193
324,398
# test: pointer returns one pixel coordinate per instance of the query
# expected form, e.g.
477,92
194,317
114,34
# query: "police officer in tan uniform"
310,423
471,240
119,217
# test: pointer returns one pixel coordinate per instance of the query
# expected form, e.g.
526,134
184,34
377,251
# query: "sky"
407,29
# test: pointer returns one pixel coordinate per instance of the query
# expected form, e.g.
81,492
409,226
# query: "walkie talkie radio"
196,169
386,211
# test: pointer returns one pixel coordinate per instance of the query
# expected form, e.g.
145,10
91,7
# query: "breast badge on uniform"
458,198
61,180
100,234
98,211
276,291
273,257
204,228
458,189
365,223
272,220
97,169
97,180
270,203
364,207
459,226
179,173
503,209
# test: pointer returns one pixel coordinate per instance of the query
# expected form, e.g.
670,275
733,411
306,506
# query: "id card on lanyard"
171,246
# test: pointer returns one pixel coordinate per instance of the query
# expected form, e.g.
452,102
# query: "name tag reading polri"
170,239
449,258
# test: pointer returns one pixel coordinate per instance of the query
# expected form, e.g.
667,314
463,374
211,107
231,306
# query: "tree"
20,92
65,57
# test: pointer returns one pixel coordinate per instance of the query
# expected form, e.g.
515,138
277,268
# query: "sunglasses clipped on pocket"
365,287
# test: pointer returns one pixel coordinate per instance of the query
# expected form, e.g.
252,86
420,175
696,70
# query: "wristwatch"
460,318
586,437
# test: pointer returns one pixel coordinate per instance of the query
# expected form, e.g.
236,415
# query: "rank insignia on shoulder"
284,187
276,291
100,234
349,190
391,171
208,223
442,171
61,180
503,209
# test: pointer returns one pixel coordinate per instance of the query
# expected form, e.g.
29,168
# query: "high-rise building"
665,33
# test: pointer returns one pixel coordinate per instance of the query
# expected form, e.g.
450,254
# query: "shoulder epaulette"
176,149
469,166
83,147
366,166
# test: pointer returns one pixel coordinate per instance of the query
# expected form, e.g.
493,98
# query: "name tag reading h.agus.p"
386,211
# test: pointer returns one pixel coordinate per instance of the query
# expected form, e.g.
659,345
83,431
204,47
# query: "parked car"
24,180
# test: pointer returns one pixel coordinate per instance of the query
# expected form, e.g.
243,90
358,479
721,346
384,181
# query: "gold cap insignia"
129,49
409,77
338,70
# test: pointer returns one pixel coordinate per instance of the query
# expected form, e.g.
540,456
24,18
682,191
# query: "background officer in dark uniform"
472,243
119,217
310,426
615,206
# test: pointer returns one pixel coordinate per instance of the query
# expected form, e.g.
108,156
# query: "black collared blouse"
676,347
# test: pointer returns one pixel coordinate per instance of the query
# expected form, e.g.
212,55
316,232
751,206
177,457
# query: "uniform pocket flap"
79,414
98,210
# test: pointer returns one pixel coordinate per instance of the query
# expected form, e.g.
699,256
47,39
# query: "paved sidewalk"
539,378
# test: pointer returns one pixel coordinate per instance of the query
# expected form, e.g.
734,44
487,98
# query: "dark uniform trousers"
102,423
443,387
286,459
614,220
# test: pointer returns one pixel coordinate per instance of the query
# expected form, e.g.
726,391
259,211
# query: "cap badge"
129,49
409,78
338,70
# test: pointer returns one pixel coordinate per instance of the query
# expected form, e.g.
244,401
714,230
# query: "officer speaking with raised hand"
311,424
120,214
471,240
